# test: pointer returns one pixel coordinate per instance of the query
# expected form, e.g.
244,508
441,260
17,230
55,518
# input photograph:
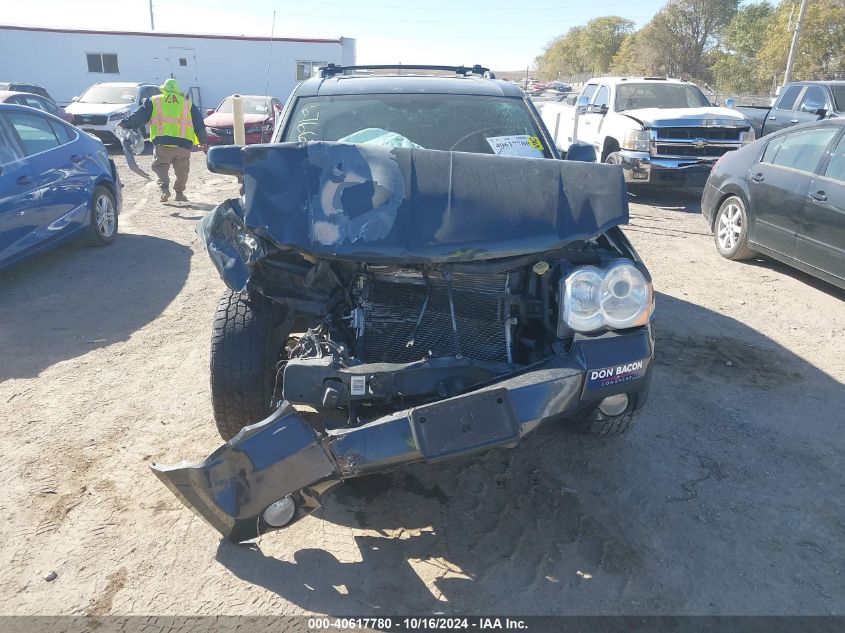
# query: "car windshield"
467,123
109,94
659,95
251,106
839,97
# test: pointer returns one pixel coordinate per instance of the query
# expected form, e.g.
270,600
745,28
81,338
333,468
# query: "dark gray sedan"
783,196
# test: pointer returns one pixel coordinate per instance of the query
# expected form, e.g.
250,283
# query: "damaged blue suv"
413,274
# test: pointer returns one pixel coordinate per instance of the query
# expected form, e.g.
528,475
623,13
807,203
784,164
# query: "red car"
34,101
260,114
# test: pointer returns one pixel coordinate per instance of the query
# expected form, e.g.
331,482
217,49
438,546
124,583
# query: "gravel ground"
728,498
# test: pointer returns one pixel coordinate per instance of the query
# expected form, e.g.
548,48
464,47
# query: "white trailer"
211,67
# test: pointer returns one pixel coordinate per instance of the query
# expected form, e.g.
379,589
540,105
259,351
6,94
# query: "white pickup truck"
661,131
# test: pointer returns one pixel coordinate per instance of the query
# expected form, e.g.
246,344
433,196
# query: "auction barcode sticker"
517,145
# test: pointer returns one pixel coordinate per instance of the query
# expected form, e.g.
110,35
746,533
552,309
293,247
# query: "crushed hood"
680,117
388,205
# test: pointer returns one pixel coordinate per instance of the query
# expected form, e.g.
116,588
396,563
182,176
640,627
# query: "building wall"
219,66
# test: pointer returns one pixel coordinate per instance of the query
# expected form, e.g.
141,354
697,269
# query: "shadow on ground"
726,499
762,261
683,200
102,294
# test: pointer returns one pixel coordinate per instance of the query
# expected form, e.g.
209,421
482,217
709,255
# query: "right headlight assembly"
616,297
636,140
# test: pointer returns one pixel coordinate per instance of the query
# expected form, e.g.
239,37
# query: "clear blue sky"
503,34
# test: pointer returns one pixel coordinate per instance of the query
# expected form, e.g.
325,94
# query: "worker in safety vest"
175,127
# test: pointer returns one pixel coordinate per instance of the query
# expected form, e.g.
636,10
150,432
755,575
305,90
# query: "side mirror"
811,108
225,160
582,101
209,111
582,152
730,103
75,99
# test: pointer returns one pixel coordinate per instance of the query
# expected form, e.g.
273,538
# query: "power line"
428,8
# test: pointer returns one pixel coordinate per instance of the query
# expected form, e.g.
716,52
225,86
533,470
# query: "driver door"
589,129
813,101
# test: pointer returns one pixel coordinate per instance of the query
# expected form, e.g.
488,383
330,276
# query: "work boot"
180,197
165,195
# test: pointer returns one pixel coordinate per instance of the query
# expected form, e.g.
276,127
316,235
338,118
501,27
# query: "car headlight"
618,297
749,137
636,140
117,116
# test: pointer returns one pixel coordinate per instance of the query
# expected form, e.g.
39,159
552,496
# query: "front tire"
589,423
730,230
613,159
102,229
241,362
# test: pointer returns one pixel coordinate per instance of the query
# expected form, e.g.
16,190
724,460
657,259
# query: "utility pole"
793,50
152,23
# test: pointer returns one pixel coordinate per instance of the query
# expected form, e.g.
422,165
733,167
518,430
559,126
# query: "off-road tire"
586,424
740,249
97,235
241,363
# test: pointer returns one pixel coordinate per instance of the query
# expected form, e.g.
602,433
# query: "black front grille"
692,133
390,323
706,151
90,119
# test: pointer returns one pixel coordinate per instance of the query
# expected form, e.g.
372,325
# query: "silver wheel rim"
729,227
104,216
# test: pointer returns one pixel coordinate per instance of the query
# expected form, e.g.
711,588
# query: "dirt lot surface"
728,498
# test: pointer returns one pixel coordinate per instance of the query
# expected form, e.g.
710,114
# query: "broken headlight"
617,297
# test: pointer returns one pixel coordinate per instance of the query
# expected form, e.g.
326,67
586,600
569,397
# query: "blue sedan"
57,183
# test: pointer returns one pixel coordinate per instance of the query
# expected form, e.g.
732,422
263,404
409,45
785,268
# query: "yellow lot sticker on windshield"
534,141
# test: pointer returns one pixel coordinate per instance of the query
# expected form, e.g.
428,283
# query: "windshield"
839,97
109,94
251,106
657,95
478,124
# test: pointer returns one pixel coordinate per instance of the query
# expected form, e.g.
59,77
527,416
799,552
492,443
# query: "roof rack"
330,70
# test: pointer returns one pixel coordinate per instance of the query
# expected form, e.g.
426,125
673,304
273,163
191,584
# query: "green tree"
684,33
602,38
821,50
562,56
584,49
735,66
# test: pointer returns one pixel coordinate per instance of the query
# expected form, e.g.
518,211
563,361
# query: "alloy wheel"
105,216
729,228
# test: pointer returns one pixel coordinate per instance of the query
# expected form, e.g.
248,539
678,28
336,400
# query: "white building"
66,61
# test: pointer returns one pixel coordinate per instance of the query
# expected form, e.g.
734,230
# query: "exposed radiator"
393,308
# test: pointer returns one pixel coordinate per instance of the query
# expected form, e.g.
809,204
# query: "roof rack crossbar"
330,70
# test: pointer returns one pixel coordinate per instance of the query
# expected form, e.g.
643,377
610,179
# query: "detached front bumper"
642,168
284,456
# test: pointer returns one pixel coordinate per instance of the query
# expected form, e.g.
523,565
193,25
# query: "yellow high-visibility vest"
172,117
